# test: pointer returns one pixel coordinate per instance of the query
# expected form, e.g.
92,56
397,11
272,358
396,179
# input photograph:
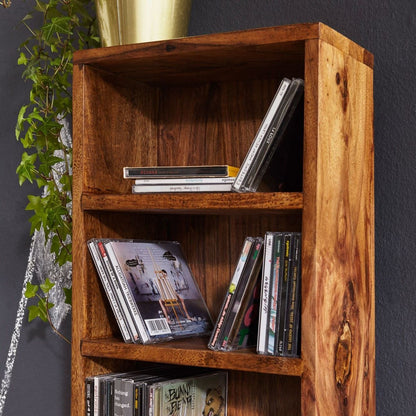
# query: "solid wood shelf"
215,203
192,352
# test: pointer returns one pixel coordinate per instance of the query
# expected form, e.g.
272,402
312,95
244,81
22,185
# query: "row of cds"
155,297
157,390
262,304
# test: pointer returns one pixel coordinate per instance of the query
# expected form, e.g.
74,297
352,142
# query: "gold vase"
131,21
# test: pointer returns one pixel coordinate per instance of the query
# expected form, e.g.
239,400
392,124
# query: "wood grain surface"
200,100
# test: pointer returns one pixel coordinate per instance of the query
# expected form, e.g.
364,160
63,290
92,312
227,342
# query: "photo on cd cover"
163,287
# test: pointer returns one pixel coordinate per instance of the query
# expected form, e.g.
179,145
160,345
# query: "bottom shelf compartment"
249,393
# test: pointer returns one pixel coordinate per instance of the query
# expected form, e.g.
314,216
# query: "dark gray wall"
41,378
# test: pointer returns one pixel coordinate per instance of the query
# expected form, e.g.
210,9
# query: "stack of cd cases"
279,319
269,135
231,330
151,289
261,308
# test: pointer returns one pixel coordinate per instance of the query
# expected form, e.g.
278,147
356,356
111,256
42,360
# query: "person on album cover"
169,296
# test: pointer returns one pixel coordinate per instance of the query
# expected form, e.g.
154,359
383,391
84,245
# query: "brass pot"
131,21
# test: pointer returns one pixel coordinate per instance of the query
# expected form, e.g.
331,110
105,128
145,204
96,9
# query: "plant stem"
53,326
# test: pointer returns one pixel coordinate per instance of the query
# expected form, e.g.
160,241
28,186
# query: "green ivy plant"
65,26
43,306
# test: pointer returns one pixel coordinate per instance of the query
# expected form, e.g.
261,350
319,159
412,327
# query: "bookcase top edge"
286,34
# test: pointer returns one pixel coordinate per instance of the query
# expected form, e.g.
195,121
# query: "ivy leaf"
55,244
34,115
41,7
47,286
47,162
27,140
66,181
27,17
33,312
20,120
42,309
62,256
35,203
36,223
22,60
26,169
57,25
68,295
31,290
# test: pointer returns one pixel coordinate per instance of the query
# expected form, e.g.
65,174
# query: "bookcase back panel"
140,125
260,395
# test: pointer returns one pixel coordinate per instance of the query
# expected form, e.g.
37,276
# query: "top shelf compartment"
189,101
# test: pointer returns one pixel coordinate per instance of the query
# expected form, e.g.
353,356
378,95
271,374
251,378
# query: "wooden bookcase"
200,100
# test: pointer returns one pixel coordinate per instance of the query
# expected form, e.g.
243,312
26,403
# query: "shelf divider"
192,352
215,203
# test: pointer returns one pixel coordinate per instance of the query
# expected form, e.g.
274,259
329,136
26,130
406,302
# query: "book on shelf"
155,291
196,171
269,135
159,391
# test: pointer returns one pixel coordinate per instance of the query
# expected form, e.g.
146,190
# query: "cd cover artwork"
163,287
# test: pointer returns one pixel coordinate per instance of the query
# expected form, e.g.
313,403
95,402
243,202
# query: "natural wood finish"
220,203
200,100
192,352
338,245
248,47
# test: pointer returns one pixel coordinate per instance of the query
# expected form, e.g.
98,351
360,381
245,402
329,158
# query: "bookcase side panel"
338,234
87,301
77,375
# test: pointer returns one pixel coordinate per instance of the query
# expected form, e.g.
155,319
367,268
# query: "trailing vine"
66,25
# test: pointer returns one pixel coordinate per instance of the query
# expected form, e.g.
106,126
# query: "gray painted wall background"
41,377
